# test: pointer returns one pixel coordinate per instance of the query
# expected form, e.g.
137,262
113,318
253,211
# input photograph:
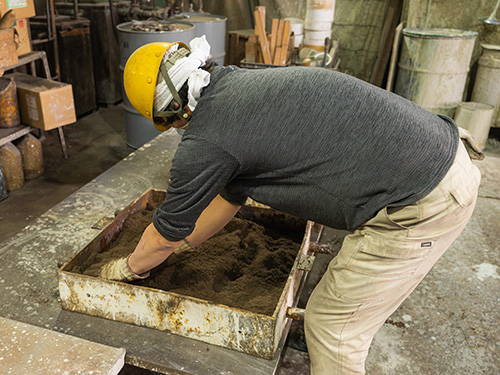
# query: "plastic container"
319,14
476,118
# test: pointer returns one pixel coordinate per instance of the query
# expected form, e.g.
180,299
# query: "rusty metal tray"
233,328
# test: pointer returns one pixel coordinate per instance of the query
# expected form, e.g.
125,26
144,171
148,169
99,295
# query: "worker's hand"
180,252
119,270
470,144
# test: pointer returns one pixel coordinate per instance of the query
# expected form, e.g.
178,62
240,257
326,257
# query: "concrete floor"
448,326
95,143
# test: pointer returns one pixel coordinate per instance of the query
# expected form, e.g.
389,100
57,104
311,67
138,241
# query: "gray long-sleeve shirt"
315,143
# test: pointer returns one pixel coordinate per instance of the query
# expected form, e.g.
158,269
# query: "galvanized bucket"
476,118
433,67
8,48
9,110
487,83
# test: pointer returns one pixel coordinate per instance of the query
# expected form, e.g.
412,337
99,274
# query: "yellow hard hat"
140,77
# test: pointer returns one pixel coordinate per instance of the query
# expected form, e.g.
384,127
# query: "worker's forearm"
217,214
153,248
151,251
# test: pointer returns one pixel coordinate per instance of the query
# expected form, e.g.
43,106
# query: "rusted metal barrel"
9,110
433,67
8,48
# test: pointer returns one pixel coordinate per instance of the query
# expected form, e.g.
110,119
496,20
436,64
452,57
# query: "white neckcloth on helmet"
187,68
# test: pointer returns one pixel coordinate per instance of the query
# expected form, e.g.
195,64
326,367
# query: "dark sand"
245,265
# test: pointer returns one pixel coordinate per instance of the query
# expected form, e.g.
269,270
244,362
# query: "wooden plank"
251,50
394,56
286,40
279,43
274,36
262,11
266,55
392,17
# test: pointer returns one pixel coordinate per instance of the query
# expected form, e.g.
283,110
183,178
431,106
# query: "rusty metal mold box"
229,327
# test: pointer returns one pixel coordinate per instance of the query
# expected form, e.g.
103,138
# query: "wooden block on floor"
27,349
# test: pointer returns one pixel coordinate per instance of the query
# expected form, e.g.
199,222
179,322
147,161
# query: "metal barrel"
9,109
214,29
139,130
487,83
433,67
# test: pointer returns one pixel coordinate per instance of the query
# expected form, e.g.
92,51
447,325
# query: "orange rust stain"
9,110
175,323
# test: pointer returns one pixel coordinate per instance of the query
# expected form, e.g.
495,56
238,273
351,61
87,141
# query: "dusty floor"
95,143
448,326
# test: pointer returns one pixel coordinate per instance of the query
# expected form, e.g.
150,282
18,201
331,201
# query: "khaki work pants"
379,265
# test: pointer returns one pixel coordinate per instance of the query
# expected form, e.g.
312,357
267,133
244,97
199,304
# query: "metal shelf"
30,58
11,134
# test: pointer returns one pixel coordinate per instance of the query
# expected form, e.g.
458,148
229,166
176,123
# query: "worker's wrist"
134,271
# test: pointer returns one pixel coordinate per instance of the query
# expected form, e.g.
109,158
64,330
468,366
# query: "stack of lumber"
273,48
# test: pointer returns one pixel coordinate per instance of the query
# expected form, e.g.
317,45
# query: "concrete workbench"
29,262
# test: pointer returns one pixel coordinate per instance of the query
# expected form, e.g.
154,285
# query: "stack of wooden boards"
272,49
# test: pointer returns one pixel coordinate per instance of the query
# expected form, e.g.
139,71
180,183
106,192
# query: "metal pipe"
75,8
54,41
112,16
49,28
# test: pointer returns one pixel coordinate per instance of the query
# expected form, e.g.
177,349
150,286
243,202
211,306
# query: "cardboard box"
8,52
24,42
22,8
43,103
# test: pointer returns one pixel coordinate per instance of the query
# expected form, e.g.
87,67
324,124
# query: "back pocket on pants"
378,265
